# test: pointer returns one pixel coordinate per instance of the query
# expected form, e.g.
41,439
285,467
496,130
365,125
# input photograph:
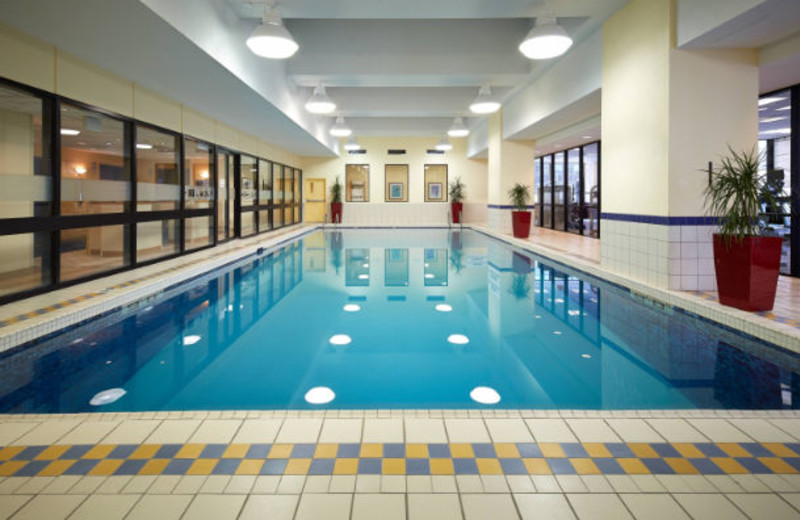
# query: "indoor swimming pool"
402,318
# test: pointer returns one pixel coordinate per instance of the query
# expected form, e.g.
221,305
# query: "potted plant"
336,202
746,262
520,216
456,193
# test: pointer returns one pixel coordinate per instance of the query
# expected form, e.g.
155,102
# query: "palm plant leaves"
336,191
457,190
519,195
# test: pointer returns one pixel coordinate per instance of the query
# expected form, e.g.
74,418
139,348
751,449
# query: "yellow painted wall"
472,171
509,162
38,64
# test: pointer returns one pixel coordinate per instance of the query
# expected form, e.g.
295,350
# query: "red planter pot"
747,271
336,212
521,223
455,210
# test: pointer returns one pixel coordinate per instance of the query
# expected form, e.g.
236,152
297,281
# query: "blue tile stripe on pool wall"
505,206
661,220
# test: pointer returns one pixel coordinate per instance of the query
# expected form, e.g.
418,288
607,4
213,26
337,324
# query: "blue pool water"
256,335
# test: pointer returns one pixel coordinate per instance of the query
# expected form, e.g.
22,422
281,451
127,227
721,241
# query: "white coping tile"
596,484
10,485
750,484
51,507
762,430
793,480
592,430
494,484
240,484
61,484
383,430
46,433
107,507
520,484
368,483
634,430
266,484
550,430
328,506
764,506
571,484
299,430
274,507
508,430
676,430
317,484
488,507
133,431
793,499
393,484
214,507
162,507
420,484
622,483
598,507
719,430
531,507
216,431
469,484
258,431
11,431
190,485
215,484
790,426
372,506
776,483
291,484
654,507
545,484
699,483
10,504
34,485
425,430
444,484
342,484
174,431
113,484
709,507
648,484
341,430
466,430
440,506
87,485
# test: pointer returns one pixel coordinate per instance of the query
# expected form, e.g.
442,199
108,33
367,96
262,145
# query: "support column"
667,112
509,162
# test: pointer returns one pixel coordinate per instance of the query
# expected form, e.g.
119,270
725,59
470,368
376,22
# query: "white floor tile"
634,430
764,506
709,507
550,430
46,433
598,507
719,430
444,484
466,430
50,507
654,507
342,484
299,430
520,484
258,431
551,506
87,485
189,485
89,432
10,504
34,485
161,507
425,430
272,507
61,484
434,507
214,507
545,484
508,430
592,430
341,430
597,484
761,430
105,507
11,431
385,507
419,484
793,499
790,426
676,430
488,507
174,431
383,430
216,431
131,431
329,507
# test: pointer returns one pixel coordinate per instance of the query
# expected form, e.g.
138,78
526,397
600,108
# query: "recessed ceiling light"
320,102
769,100
107,396
191,340
458,128
351,307
458,339
484,103
546,40
484,395
320,395
70,131
340,339
443,307
271,39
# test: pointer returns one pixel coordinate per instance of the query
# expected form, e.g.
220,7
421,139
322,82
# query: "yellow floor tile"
145,451
56,468
506,450
297,467
190,451
552,450
442,467
780,450
393,467
52,452
371,451
10,452
688,450
633,466
154,467
345,467
681,466
202,467
489,467
236,451
11,467
733,450
462,450
729,466
417,451
280,451
326,451
537,466
106,467
585,466
100,451
250,467
777,465
643,451
597,450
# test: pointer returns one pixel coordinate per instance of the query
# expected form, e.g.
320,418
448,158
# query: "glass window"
199,165
288,185
24,262
558,192
198,232
435,183
288,215
248,223
591,186
157,176
574,190
396,183
263,221
277,218
249,169
264,183
357,183
298,184
156,239
95,165
25,181
88,251
277,180
547,191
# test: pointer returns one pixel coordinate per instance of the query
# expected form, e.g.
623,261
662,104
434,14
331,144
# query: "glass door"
225,195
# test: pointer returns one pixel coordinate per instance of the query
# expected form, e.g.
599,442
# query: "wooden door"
314,208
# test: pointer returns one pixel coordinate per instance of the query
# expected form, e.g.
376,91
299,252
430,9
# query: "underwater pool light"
320,395
107,396
485,395
458,339
351,307
340,339
443,307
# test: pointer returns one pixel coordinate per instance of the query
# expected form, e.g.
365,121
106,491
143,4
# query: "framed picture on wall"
434,191
395,191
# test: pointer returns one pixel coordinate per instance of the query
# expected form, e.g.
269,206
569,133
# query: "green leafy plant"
457,190
520,287
336,191
519,195
735,193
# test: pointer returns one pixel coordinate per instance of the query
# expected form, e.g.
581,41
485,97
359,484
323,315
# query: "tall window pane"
199,231
573,195
249,169
25,182
264,182
277,183
88,251
158,184
547,191
198,168
95,165
156,239
24,262
288,185
591,187
559,197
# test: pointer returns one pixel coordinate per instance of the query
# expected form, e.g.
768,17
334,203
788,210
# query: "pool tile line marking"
524,458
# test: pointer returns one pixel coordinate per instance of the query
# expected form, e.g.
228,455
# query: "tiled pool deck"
392,464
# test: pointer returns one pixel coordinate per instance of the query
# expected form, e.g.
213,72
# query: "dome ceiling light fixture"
484,103
444,145
339,129
320,102
546,40
271,39
352,144
458,128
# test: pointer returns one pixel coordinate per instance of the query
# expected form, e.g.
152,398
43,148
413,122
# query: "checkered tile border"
402,459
